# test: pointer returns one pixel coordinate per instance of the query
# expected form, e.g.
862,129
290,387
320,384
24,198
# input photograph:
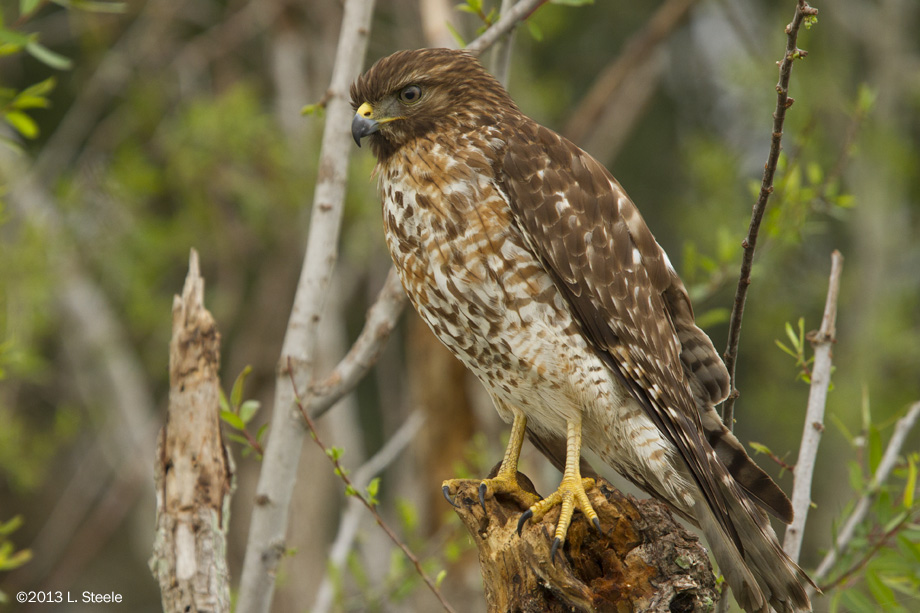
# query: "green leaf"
334,453
713,317
453,32
786,349
373,487
10,526
18,39
222,400
909,547
911,486
759,447
875,449
440,578
534,30
47,56
881,592
27,6
895,521
40,89
312,109
236,394
236,438
855,601
865,98
261,432
233,420
9,562
814,173
248,410
29,102
857,479
22,123
790,332
91,6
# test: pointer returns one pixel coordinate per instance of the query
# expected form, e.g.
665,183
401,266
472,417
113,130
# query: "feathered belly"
486,297
479,288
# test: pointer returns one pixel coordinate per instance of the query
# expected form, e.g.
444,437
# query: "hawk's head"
412,93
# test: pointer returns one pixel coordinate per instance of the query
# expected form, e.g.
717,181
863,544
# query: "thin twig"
351,519
783,102
889,459
350,487
507,22
823,343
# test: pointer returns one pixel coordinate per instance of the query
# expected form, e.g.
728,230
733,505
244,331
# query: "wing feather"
579,222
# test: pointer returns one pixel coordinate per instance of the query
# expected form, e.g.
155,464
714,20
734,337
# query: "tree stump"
643,561
193,473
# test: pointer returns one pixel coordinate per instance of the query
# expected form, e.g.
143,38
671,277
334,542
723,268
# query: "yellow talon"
570,494
506,480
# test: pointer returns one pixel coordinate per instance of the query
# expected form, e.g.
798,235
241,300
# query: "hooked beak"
363,124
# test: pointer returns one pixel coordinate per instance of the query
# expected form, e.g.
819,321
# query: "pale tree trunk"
193,474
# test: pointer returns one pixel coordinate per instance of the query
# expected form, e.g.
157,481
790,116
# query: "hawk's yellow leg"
505,481
570,494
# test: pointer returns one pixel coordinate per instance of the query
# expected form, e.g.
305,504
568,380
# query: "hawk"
528,260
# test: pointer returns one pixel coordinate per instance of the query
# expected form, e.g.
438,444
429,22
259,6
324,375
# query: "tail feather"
756,568
756,483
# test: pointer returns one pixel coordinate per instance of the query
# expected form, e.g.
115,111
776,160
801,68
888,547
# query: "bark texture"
193,473
643,561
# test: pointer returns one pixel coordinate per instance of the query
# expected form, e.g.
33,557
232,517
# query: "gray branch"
814,414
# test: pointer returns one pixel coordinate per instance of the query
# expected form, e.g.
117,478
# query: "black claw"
523,520
482,495
552,552
597,524
446,490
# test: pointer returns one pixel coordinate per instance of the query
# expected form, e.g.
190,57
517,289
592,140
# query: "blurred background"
137,131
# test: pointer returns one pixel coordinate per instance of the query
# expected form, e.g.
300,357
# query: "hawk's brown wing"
590,236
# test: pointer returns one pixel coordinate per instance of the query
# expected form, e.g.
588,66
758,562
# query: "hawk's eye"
410,94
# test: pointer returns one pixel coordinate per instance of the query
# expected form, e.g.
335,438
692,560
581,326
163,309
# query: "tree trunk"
644,560
193,474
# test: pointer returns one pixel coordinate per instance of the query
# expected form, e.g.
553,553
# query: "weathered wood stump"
643,561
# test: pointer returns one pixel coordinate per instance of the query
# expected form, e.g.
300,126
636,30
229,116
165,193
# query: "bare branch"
783,102
268,525
889,459
823,343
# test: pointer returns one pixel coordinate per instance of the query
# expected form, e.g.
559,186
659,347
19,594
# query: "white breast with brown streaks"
470,276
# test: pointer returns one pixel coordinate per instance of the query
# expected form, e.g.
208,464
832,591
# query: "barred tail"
756,568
